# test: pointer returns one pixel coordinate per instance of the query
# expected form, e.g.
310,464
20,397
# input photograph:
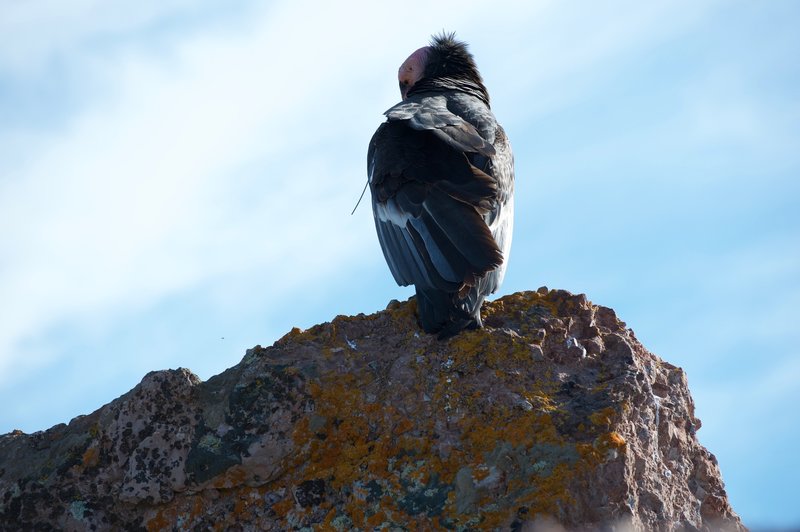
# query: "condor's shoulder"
457,123
403,157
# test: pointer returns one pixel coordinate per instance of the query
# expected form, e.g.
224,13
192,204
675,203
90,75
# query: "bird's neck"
442,84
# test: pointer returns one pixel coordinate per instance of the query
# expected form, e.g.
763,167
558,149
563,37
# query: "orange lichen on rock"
91,457
368,423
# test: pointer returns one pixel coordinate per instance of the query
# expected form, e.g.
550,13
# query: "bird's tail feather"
447,313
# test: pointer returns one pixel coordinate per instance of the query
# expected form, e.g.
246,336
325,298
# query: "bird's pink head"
412,69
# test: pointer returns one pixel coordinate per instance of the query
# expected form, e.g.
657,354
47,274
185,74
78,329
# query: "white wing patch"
390,212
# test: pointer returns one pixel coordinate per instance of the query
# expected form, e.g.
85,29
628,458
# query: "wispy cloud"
36,37
139,193
228,146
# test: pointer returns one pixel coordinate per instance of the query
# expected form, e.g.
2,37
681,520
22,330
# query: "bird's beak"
404,86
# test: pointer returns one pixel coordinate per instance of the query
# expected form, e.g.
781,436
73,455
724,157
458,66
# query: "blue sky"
176,181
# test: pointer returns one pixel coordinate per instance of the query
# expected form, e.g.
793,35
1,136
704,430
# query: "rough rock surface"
552,416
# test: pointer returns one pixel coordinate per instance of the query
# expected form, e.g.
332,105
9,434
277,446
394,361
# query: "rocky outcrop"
552,416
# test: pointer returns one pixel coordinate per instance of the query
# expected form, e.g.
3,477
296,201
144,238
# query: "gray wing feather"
430,113
430,204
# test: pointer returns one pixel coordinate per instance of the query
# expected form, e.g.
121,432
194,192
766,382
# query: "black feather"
441,179
451,67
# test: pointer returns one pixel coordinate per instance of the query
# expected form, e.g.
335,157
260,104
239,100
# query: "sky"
177,177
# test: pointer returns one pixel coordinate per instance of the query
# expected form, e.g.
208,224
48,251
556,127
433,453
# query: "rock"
552,417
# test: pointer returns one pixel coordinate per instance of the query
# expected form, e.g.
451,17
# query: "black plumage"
441,174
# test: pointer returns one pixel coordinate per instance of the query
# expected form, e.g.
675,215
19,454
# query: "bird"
441,176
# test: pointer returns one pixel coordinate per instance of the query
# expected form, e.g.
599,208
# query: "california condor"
441,174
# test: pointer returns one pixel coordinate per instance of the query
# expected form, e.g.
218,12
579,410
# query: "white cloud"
554,68
32,34
236,143
134,199
140,194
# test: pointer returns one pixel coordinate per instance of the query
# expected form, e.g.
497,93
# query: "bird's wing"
430,113
501,219
429,202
